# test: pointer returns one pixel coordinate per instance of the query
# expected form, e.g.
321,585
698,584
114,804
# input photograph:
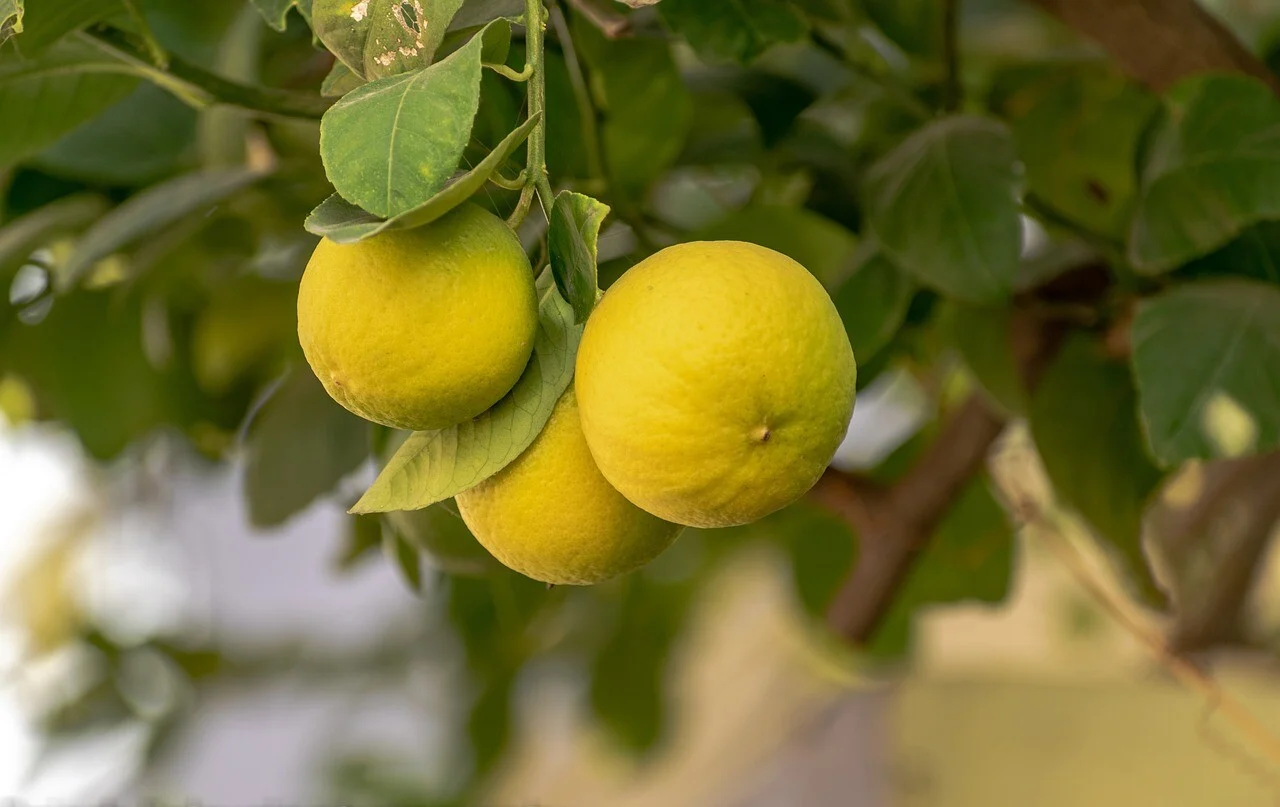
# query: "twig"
610,24
952,89
895,525
200,87
1187,673
1159,42
159,57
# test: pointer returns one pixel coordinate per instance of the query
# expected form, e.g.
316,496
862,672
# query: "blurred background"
187,612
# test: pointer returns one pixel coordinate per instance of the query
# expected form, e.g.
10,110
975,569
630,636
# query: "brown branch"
895,524
1159,42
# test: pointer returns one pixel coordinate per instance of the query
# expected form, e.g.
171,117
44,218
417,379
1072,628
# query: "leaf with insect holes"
344,223
11,12
380,38
394,143
436,465
571,240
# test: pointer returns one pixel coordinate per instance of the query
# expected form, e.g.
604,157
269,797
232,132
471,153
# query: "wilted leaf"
433,466
944,207
571,241
1084,418
392,144
299,446
342,222
380,38
149,211
737,31
1212,169
1207,360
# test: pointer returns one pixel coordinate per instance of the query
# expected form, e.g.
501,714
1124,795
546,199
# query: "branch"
895,525
1159,42
198,86
610,23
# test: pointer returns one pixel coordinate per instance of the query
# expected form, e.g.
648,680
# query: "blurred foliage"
151,242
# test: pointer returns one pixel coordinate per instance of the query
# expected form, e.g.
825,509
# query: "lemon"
715,381
420,329
551,516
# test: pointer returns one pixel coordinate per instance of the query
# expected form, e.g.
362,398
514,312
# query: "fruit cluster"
713,384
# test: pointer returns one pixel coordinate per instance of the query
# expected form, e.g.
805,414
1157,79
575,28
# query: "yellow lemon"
420,329
716,382
551,516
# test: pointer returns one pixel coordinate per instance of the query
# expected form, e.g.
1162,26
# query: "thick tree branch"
895,524
1159,42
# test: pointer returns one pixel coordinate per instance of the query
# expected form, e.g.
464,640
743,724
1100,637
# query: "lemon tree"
540,291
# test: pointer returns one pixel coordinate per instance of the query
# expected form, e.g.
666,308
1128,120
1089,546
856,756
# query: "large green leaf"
299,446
149,211
444,539
340,221
275,12
1077,133
873,303
735,31
944,207
392,144
983,336
1212,169
433,466
572,237
379,38
1207,360
45,98
1084,419
146,136
647,108
46,23
968,559
819,244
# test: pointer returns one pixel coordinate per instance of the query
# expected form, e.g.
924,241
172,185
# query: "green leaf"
571,241
433,466
969,559
394,143
1212,169
1255,253
647,109
57,93
442,536
11,12
364,537
142,138
1077,133
22,236
340,81
275,12
380,38
983,337
873,303
151,210
1206,357
46,23
1084,420
736,31
405,558
944,207
823,247
300,444
913,25
342,222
